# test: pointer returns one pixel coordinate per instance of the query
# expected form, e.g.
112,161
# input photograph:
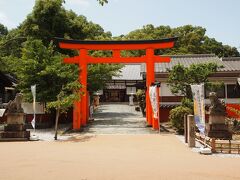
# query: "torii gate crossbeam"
80,112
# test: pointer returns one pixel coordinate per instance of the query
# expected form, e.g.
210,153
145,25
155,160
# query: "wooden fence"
220,146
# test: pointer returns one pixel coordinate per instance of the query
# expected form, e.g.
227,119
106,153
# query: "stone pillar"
191,131
131,100
15,129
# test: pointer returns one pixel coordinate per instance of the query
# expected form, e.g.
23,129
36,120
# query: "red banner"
233,110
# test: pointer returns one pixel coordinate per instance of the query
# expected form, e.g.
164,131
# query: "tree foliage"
42,66
100,74
30,55
191,40
65,99
102,2
180,77
3,30
50,19
177,117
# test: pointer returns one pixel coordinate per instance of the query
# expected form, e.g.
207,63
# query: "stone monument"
216,127
15,129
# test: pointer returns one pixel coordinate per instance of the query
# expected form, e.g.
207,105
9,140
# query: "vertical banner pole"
33,122
158,105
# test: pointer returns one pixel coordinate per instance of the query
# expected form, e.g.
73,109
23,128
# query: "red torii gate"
80,112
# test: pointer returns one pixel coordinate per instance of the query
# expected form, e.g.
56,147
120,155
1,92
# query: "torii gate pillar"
81,111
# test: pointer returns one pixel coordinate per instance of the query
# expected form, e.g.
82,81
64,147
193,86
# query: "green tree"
47,20
3,30
180,77
50,19
191,40
42,66
66,97
179,80
100,74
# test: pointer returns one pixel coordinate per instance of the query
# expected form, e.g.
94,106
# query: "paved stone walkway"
118,118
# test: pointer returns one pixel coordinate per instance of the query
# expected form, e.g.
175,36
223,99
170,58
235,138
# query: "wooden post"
191,131
213,144
185,129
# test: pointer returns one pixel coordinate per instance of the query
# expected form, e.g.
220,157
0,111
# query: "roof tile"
186,60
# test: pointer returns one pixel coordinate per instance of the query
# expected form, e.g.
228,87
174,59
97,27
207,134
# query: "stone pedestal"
131,100
216,128
216,119
15,118
15,129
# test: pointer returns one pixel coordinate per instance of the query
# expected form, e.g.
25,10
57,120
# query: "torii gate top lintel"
116,47
80,114
116,44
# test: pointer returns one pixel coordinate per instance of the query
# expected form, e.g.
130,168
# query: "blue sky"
221,18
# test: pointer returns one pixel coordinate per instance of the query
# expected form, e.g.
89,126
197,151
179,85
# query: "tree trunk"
56,122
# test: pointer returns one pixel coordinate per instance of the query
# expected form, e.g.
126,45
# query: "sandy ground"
112,157
116,146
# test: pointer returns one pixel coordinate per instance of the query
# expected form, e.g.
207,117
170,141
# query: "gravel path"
48,134
110,118
118,118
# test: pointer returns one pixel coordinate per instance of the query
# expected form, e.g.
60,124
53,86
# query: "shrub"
187,103
177,117
141,100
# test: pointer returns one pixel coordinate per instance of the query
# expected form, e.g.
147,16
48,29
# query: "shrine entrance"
114,95
81,111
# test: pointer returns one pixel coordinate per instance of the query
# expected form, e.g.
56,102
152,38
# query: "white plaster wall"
28,108
165,90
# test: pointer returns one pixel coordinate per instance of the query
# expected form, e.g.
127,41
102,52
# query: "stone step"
13,139
220,134
121,131
15,134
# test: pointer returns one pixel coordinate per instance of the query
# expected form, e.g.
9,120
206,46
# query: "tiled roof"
6,80
130,72
187,60
231,59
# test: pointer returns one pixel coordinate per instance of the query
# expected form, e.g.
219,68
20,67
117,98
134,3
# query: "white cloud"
6,21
